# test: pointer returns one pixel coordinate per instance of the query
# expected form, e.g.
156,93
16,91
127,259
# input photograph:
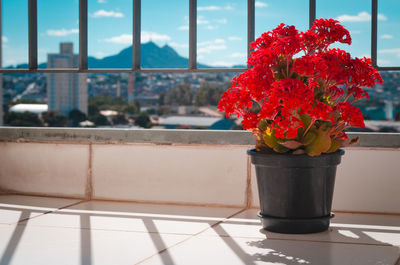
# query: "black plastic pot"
295,191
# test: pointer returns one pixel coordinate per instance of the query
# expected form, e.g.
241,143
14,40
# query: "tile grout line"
190,237
52,211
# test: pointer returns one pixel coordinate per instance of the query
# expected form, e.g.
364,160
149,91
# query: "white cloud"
178,45
183,28
208,8
201,20
221,64
386,36
228,7
145,36
234,38
209,27
61,32
101,1
210,42
4,39
382,62
390,51
104,13
382,17
222,21
238,55
121,39
211,48
360,17
261,4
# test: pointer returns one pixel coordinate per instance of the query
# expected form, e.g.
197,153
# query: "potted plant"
297,99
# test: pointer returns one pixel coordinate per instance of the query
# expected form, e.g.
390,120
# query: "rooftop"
44,230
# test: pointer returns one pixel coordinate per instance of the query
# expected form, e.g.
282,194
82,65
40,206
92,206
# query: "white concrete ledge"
96,135
178,167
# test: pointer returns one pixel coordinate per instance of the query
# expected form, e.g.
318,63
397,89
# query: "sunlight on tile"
348,233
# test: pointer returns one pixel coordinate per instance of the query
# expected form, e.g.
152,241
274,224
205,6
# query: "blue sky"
222,26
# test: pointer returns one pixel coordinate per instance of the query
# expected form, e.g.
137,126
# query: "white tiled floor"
36,230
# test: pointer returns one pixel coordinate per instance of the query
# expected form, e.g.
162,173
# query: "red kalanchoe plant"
301,104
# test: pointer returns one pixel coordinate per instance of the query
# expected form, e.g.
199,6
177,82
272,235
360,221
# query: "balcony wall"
178,167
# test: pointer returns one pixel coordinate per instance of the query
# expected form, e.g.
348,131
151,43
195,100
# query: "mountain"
152,56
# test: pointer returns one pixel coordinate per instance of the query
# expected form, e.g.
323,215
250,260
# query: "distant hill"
152,56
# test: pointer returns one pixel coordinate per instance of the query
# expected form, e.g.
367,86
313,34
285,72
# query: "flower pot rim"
254,152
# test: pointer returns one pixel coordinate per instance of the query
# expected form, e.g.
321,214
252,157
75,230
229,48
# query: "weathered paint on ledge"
97,135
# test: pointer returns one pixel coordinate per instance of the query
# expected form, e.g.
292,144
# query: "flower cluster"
300,104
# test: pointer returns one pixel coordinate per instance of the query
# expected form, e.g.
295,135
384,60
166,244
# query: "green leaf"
309,138
291,144
321,143
335,145
306,120
272,142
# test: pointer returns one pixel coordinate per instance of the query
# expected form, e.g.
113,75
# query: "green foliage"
318,139
131,109
99,120
208,94
76,116
54,119
25,119
119,119
178,95
143,120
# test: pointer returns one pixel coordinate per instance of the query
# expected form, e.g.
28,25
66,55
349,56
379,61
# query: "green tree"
119,119
143,120
179,95
99,120
26,119
76,116
54,119
130,109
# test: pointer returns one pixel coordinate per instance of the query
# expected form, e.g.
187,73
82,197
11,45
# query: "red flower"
293,94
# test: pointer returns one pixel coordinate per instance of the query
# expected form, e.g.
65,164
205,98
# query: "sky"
221,29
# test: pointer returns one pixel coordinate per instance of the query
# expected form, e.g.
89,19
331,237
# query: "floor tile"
24,244
121,216
14,208
346,228
229,250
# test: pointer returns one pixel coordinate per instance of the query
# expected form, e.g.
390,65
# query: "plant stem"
309,126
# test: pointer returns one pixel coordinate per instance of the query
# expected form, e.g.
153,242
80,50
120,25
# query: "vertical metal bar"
250,24
374,33
1,65
312,13
136,35
192,34
32,16
83,34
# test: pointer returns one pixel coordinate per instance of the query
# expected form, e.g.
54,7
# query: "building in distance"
66,91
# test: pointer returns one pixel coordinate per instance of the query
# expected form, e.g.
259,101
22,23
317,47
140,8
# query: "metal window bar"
374,32
83,34
250,24
312,13
83,55
32,17
192,34
136,35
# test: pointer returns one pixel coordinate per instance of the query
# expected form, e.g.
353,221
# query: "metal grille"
192,67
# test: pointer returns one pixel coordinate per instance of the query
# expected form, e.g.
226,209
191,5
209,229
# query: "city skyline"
221,32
